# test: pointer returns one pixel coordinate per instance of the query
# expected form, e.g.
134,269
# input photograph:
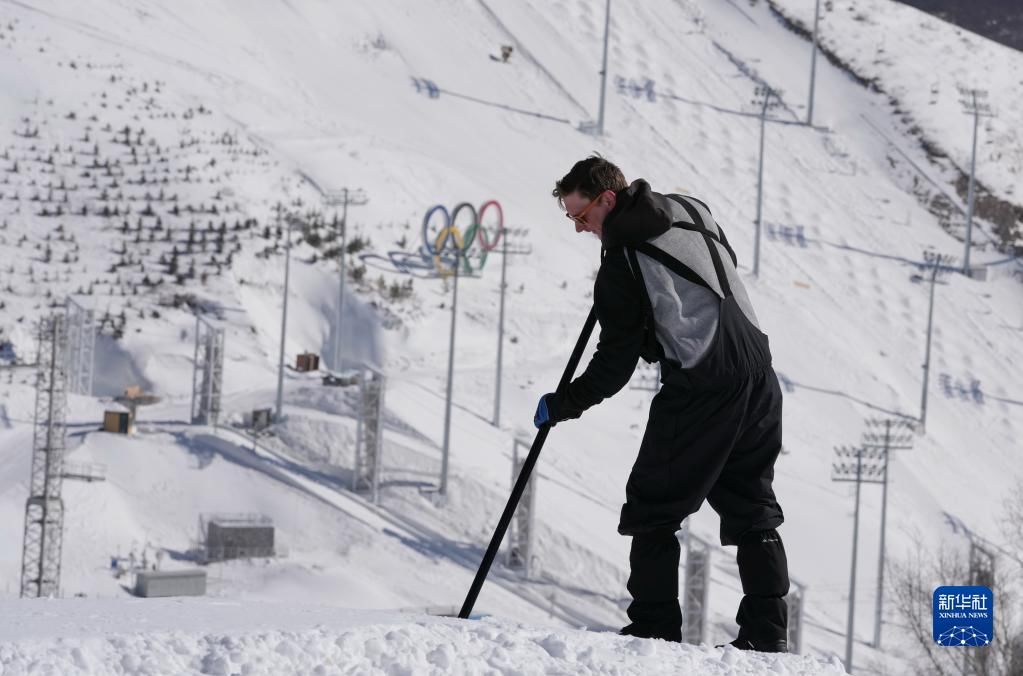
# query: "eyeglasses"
581,216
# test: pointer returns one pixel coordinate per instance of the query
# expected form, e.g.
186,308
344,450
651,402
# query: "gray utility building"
237,536
155,583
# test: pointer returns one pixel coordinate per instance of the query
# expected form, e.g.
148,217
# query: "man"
667,290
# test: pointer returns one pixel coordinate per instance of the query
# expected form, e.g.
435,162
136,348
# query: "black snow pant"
718,444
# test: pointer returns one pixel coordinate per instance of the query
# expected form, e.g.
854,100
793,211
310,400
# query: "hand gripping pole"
527,469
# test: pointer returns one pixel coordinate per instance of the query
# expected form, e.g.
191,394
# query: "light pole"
451,375
767,98
450,238
284,313
936,262
978,110
500,330
506,251
982,573
891,439
813,61
845,470
450,248
344,197
603,69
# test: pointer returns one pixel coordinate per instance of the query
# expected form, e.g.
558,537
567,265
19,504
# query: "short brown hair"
589,178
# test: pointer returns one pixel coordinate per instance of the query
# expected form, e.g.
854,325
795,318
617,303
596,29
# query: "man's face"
588,215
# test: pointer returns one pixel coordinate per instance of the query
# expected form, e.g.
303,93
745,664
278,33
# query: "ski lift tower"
208,376
370,433
696,589
522,534
44,509
81,347
795,601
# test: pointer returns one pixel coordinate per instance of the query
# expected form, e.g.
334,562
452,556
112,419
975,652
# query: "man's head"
587,193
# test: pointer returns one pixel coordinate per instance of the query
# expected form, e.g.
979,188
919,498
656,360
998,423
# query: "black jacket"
619,300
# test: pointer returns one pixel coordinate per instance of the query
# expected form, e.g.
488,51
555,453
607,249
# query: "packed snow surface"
197,636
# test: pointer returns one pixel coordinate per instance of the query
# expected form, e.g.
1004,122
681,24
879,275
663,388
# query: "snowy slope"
324,91
922,63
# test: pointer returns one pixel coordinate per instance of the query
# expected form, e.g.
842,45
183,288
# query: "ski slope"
900,48
305,96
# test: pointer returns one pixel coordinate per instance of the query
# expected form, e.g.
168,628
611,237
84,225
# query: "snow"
321,91
923,63
157,636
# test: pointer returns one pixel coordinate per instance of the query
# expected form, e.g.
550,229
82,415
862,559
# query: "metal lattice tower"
81,347
521,532
795,600
208,376
370,433
695,590
44,509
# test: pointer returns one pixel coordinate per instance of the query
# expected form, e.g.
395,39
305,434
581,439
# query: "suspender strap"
719,267
713,235
700,202
728,247
691,210
675,265
700,226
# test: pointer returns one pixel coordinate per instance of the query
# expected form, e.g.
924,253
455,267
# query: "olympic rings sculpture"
444,240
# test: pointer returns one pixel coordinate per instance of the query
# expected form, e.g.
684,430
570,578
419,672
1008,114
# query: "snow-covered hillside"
216,113
924,65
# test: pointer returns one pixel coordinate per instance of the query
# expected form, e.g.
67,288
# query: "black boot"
763,613
653,583
653,626
781,646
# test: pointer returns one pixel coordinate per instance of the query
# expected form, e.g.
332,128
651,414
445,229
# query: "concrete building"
157,583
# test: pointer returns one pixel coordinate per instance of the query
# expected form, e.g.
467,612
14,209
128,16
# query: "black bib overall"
714,433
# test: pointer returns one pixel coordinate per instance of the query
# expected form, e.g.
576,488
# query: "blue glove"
543,410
